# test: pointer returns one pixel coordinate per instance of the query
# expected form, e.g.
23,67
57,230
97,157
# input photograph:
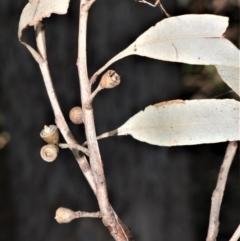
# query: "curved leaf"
178,122
36,10
191,39
33,13
194,39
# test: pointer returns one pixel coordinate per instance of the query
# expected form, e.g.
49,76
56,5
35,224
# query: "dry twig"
123,232
109,218
74,146
217,195
158,2
59,118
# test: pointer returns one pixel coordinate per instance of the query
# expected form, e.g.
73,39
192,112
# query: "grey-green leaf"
178,122
34,12
191,39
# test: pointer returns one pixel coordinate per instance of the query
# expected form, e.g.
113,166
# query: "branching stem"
109,218
59,118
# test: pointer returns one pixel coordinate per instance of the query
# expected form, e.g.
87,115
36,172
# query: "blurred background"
160,193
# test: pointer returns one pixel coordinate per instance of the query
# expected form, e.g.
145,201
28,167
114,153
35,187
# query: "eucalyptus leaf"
191,39
33,13
36,10
178,122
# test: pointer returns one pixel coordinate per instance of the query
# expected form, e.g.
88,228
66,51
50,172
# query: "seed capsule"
50,134
109,80
49,152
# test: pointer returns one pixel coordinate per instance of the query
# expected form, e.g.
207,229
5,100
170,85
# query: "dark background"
160,193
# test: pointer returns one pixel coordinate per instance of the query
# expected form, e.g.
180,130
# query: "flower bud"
109,80
76,115
64,215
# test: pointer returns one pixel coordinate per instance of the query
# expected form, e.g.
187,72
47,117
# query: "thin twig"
158,2
81,214
117,57
163,9
150,4
219,191
88,105
74,146
40,40
59,118
236,234
109,218
104,135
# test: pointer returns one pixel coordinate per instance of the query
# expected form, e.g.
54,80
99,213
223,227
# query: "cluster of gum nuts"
50,134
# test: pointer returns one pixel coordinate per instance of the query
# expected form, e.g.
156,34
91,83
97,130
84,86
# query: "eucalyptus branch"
59,118
109,218
217,195
173,46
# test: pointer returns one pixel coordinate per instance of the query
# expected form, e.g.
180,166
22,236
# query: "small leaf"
191,39
195,39
178,122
